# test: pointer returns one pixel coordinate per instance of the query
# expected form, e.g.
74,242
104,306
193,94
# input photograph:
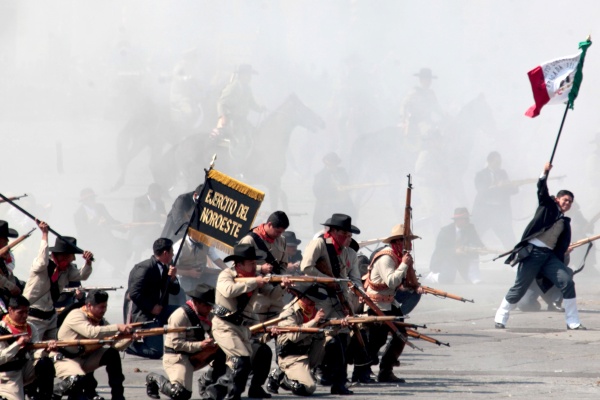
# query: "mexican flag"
557,81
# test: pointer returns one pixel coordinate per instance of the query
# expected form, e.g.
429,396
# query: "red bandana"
260,231
14,327
243,274
58,270
397,249
200,317
338,248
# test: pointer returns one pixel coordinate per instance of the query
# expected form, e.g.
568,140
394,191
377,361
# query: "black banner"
225,212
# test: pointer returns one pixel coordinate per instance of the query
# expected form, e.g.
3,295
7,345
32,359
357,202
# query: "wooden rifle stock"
361,293
296,329
8,337
264,325
204,357
362,320
426,338
96,343
15,242
581,242
439,293
296,278
410,280
87,289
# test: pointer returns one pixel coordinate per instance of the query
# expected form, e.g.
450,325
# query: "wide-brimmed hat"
461,212
246,69
86,194
425,73
343,222
309,290
332,159
7,232
68,245
203,292
245,252
397,233
290,238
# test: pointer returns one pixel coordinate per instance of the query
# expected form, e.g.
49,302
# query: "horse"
437,159
264,162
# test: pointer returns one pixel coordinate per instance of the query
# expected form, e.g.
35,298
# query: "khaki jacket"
293,317
183,341
37,289
77,326
386,270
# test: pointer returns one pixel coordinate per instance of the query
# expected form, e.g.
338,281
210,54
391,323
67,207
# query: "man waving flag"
557,81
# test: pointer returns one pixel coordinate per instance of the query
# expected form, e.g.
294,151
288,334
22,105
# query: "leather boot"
296,387
70,386
239,376
389,360
274,380
152,386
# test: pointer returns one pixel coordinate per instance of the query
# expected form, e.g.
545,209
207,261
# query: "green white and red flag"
557,81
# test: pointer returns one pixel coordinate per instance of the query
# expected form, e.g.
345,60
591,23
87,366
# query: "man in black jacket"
541,254
150,283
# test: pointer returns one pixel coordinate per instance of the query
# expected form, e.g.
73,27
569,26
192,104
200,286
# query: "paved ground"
536,357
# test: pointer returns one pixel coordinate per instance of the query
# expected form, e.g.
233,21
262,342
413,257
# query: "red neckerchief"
14,327
93,320
242,274
306,316
260,231
338,248
57,271
397,249
200,317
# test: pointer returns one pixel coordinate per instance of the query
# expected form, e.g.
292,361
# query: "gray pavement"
535,357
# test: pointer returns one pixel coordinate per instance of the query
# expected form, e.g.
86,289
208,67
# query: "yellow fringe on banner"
236,185
209,241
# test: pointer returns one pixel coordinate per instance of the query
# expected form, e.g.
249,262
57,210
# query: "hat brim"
66,249
260,255
12,233
387,240
353,229
294,243
314,297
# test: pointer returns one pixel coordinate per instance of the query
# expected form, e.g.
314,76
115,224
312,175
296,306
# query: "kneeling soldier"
88,322
180,348
17,368
299,352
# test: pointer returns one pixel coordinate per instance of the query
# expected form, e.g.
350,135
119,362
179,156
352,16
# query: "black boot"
70,386
274,380
152,386
44,379
239,377
112,360
296,387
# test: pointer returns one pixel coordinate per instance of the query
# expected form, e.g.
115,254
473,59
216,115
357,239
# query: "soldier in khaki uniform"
234,302
268,237
19,367
388,270
332,251
48,276
180,346
298,353
88,322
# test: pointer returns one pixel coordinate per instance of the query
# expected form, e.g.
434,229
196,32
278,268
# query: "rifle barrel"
442,294
429,339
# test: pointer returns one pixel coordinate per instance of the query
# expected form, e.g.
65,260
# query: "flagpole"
562,123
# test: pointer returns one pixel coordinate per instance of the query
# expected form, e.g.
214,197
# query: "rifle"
87,289
264,325
155,331
35,219
14,198
322,266
360,320
15,242
441,294
581,242
16,335
296,278
369,242
410,280
426,338
407,325
96,343
296,329
395,331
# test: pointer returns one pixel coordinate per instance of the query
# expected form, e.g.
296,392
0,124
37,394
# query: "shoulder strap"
263,246
367,277
193,317
333,258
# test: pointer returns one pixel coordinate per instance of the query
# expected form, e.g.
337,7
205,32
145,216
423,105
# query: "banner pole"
559,132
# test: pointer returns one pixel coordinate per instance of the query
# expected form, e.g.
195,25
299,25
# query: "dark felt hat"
7,232
461,212
425,73
246,69
245,252
343,222
309,290
68,245
290,238
204,293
